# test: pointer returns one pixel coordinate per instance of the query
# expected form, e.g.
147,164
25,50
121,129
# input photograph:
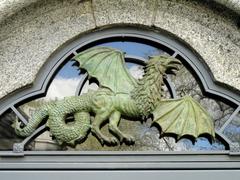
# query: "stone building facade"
32,31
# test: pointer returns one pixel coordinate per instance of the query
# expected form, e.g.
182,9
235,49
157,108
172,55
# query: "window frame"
99,160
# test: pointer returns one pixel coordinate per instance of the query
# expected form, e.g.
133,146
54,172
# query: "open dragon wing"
107,65
183,116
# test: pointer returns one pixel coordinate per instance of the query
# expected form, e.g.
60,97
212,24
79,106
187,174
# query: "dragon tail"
72,131
60,124
57,113
33,123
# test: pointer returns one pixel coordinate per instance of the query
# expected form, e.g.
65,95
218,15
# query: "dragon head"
164,64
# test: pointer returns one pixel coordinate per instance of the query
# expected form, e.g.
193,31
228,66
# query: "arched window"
59,78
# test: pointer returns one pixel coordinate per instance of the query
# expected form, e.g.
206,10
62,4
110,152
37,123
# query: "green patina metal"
120,95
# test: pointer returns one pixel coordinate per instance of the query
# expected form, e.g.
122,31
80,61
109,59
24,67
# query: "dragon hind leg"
113,128
98,121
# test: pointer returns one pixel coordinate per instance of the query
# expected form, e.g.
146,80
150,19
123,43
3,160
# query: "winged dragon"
120,95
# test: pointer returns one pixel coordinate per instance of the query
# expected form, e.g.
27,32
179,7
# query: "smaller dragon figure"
120,95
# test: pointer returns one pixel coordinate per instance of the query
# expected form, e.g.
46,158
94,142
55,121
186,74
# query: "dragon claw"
112,141
101,141
127,139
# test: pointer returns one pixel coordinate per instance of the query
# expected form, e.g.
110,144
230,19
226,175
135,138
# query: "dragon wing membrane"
184,116
107,65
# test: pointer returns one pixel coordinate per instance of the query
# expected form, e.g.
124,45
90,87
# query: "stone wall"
31,30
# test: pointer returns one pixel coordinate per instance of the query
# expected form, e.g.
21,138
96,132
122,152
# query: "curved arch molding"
29,35
190,57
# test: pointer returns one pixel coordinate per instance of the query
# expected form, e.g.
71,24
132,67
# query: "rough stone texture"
124,11
32,30
10,7
30,37
216,39
232,4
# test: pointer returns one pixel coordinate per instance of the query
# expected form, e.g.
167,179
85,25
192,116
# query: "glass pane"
7,134
201,144
186,84
68,79
232,131
135,48
65,82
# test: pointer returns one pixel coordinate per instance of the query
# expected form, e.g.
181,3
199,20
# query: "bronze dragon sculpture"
119,95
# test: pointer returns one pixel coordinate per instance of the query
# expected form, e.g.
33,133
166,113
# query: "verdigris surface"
120,95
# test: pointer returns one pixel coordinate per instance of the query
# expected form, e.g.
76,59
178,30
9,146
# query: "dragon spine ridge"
147,94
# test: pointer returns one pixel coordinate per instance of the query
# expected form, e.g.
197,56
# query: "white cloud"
136,71
87,87
61,88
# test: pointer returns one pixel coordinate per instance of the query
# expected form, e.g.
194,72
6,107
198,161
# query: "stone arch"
29,36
